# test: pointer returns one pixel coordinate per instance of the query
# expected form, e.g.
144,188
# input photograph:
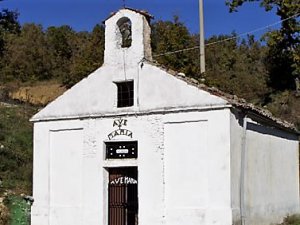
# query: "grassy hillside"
16,148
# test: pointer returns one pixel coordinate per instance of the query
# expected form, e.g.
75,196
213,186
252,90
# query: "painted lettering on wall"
124,180
120,123
120,132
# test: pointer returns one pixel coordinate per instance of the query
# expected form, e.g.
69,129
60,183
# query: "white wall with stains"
236,136
271,172
181,179
197,168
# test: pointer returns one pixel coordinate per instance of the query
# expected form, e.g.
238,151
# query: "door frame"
105,189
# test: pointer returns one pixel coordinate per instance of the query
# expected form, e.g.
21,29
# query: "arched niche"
125,29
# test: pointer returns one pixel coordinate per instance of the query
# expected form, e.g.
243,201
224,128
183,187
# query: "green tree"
61,47
283,56
26,55
170,36
8,24
237,67
88,55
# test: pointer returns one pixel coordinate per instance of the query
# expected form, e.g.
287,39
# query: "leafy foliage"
283,52
88,56
238,68
291,220
8,24
60,46
172,36
26,55
57,53
19,210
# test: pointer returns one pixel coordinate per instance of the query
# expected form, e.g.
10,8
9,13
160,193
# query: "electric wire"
228,39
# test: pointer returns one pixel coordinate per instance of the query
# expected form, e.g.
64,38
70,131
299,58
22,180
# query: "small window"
125,94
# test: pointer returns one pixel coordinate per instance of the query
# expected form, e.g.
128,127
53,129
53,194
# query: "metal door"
123,196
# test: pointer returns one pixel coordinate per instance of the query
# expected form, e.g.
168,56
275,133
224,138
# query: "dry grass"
291,220
4,214
40,94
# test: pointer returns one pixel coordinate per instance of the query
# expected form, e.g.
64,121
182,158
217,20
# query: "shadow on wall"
271,131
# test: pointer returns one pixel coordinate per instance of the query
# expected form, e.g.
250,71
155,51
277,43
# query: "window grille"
125,94
123,196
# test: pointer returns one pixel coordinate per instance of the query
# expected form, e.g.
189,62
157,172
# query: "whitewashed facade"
200,158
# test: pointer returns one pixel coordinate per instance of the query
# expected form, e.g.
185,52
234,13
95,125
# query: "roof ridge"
142,12
234,100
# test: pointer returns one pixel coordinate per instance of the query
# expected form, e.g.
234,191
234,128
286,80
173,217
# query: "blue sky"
84,14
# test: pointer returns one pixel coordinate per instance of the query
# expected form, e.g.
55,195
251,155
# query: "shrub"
291,220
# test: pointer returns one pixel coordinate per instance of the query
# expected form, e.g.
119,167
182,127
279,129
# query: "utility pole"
201,36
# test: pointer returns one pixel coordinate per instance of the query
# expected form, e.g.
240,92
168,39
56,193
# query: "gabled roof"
142,12
82,92
235,101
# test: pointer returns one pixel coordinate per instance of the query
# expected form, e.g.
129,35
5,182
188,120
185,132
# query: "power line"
254,31
178,51
231,38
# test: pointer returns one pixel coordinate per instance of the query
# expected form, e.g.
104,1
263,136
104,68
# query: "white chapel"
137,144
